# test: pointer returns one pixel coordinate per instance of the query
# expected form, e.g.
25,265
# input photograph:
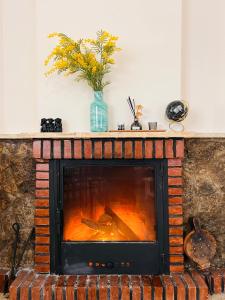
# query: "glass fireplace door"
109,217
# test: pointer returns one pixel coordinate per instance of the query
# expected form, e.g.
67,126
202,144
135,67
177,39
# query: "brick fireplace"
135,151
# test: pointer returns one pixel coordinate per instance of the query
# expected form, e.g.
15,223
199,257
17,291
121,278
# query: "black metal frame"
139,251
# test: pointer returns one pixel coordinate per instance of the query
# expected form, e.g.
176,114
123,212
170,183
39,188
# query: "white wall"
168,52
18,91
203,63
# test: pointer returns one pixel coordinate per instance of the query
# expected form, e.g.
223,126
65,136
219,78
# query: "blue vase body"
99,113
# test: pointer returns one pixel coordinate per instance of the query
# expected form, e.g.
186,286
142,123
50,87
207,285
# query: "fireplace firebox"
109,216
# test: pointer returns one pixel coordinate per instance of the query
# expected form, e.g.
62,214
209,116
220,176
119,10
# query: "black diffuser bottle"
136,125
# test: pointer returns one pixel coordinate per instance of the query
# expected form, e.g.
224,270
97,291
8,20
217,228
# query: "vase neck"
98,95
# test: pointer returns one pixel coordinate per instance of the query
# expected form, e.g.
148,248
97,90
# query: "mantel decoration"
90,60
136,110
176,112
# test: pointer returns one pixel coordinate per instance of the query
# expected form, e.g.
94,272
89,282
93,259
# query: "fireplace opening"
109,203
109,217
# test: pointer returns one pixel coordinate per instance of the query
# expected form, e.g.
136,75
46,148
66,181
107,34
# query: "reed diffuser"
136,111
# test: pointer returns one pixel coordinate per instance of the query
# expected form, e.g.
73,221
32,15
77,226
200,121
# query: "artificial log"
111,224
121,225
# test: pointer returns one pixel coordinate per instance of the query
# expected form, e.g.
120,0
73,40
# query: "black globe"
177,111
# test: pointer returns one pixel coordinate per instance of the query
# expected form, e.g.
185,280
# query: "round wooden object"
200,246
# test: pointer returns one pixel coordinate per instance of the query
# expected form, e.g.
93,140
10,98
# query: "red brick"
42,249
92,289
176,221
203,289
4,276
175,240
42,269
42,184
70,287
176,259
47,288
42,259
81,287
176,230
138,150
175,200
98,149
174,171
128,149
176,268
57,151
42,202
180,148
136,287
172,191
108,149
87,149
103,287
41,212
125,288
16,283
42,239
36,287
158,288
147,287
24,287
217,282
59,287
41,160
180,287
175,210
37,149
114,287
42,175
42,193
67,149
176,162
46,149
148,149
176,250
118,153
168,286
41,221
77,149
175,181
191,286
42,230
169,148
42,167
158,148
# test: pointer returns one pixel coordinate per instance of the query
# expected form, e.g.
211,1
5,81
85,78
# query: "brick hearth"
187,286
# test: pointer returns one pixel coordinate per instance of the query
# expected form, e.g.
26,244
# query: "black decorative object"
136,125
177,111
136,112
121,127
51,125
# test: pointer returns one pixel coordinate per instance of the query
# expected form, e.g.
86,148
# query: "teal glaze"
99,113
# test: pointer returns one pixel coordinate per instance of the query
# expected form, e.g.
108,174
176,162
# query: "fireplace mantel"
90,135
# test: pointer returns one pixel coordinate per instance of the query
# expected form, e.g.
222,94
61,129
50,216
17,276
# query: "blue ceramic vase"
99,113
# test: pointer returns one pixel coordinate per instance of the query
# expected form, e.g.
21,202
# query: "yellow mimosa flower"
89,58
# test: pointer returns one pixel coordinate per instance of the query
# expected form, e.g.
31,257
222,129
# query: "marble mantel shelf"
87,135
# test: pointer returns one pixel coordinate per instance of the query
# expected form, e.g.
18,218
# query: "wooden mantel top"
87,135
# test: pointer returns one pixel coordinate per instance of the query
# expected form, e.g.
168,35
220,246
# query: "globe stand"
176,126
